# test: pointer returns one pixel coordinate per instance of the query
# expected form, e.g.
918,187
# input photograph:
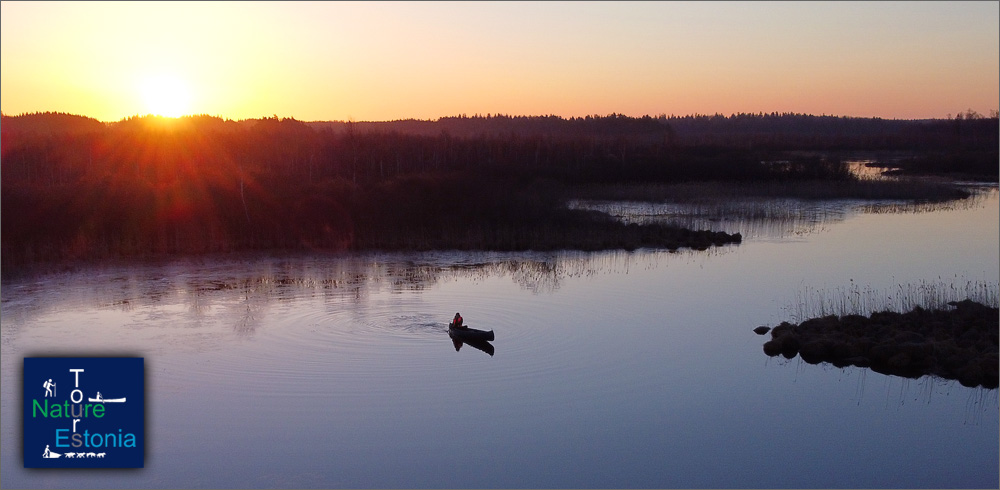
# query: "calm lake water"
613,369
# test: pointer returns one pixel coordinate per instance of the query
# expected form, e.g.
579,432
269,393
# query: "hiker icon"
50,388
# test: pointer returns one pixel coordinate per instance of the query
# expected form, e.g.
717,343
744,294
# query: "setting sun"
165,95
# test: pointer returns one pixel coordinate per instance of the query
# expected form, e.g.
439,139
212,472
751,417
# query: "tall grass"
857,300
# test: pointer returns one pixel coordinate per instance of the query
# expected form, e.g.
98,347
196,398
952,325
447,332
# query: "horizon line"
992,115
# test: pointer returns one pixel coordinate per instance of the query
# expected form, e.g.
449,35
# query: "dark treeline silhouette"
74,187
601,127
789,131
773,131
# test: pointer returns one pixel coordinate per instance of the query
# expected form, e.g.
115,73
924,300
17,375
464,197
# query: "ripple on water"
388,343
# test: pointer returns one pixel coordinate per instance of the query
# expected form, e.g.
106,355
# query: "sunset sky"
387,60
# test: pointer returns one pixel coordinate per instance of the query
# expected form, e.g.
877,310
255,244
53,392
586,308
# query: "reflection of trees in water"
355,278
240,290
752,217
409,276
536,275
545,273
768,217
255,295
980,194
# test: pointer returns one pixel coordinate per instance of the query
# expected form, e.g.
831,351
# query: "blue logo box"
84,412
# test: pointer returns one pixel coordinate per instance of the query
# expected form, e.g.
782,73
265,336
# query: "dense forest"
77,188
774,131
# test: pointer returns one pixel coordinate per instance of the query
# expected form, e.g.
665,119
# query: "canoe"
466,333
106,400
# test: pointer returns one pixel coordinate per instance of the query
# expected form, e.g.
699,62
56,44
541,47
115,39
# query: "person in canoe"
457,321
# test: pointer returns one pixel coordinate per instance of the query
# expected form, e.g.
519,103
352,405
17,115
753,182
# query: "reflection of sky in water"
774,219
753,218
614,369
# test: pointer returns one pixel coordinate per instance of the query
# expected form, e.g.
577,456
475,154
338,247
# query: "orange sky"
388,60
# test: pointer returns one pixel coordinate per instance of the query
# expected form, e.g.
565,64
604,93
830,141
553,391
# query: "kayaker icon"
101,399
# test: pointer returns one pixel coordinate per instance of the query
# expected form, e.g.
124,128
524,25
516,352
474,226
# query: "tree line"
762,131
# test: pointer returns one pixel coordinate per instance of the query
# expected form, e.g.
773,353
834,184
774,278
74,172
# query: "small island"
959,343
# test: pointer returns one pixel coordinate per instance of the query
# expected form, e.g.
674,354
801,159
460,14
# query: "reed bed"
692,192
752,218
945,329
857,300
773,209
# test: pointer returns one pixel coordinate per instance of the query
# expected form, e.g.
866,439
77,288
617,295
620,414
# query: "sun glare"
165,95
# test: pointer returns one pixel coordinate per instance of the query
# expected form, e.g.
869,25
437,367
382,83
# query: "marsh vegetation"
930,329
74,188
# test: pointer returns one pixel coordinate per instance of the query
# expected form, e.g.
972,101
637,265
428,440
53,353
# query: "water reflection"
769,218
245,288
872,169
753,218
981,194
476,344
